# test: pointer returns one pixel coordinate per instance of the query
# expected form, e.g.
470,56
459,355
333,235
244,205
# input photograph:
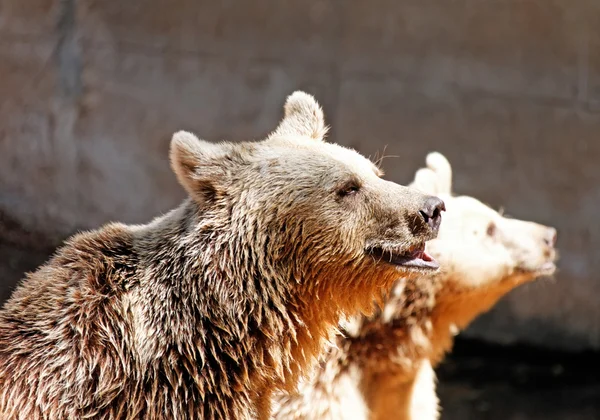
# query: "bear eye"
491,229
350,188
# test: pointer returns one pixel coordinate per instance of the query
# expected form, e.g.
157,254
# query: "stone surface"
521,48
91,91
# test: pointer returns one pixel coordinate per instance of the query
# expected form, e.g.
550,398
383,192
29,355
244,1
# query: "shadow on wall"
21,251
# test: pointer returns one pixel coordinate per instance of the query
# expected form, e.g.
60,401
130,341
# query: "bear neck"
397,334
458,305
383,349
211,293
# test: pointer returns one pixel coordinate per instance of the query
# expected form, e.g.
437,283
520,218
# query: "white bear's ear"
303,116
437,177
425,181
199,165
443,171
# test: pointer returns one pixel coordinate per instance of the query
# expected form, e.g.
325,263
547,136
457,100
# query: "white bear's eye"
491,229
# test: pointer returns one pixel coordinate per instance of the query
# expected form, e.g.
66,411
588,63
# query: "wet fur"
205,311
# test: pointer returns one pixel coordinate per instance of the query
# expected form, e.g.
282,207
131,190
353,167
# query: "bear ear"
199,165
425,181
443,171
436,178
303,116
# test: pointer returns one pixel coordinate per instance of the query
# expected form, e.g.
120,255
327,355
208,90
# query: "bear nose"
431,212
550,238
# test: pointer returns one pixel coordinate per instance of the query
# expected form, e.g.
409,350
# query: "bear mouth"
414,257
546,269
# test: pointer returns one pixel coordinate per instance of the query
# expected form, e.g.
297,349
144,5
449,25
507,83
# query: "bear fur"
382,365
205,311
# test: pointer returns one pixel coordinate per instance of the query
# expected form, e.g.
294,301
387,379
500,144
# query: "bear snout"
431,212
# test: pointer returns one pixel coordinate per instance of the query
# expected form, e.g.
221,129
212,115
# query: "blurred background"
508,90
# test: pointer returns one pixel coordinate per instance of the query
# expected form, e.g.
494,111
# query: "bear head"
484,254
314,215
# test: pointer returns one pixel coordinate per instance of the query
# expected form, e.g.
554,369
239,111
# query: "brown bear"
382,365
204,311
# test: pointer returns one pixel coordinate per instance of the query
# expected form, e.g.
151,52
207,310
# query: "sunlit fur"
206,310
390,356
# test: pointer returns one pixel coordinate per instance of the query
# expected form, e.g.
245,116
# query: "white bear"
382,366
